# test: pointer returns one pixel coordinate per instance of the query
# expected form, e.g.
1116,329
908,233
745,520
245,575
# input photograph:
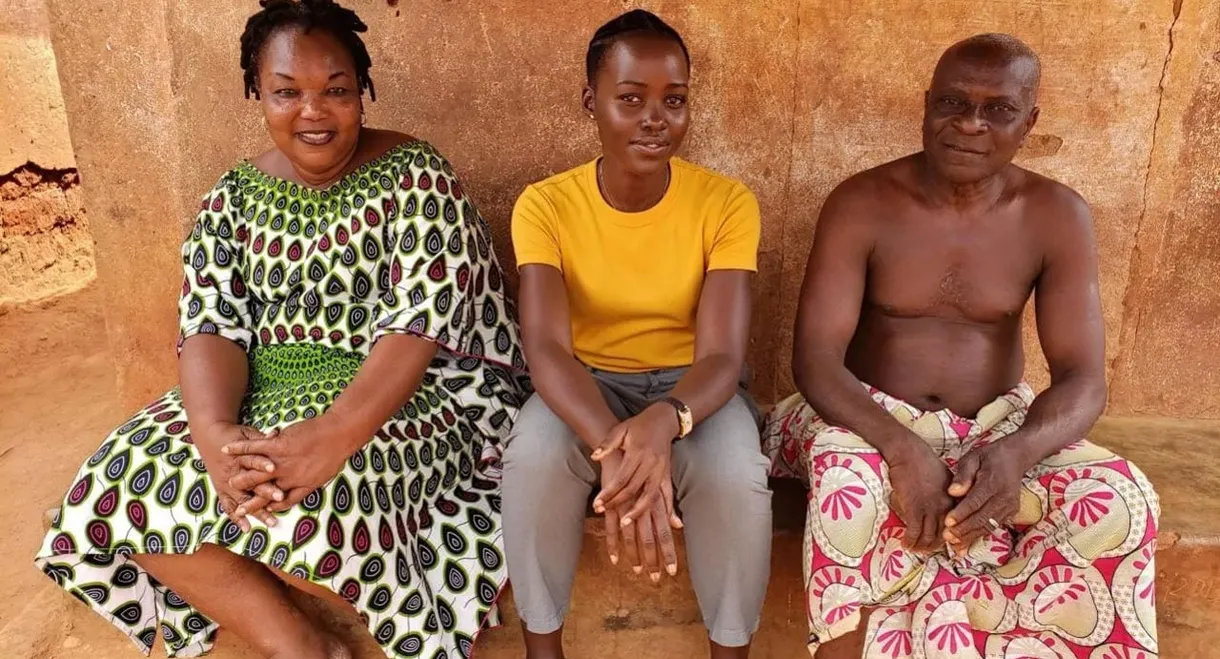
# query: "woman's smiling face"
310,98
639,98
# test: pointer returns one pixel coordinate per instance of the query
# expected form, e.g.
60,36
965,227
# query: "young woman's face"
639,99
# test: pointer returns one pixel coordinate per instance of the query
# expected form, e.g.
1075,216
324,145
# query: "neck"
631,192
982,193
325,178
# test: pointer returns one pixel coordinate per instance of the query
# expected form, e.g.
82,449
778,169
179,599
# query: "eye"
285,93
337,91
630,98
675,101
950,103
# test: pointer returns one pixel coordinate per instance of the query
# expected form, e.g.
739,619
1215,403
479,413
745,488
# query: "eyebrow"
953,90
640,84
334,75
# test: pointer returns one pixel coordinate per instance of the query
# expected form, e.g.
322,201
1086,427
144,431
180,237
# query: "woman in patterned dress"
348,364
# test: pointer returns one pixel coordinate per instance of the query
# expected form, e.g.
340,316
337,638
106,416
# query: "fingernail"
614,559
270,468
240,512
655,576
671,569
278,496
637,569
626,522
224,449
678,523
271,521
949,521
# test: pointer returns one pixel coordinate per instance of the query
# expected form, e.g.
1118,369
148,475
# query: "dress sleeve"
445,281
735,244
214,297
535,239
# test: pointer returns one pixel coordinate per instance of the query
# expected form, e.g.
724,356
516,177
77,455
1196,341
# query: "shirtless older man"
966,515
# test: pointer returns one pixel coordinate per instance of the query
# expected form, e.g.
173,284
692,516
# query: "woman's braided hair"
636,21
327,15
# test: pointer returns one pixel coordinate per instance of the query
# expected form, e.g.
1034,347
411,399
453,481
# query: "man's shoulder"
1044,197
874,187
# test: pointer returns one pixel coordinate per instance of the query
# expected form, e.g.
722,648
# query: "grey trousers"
720,488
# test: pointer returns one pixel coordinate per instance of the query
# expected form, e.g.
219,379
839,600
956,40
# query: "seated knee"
540,443
1145,486
727,474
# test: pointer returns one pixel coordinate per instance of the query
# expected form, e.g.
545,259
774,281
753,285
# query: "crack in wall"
776,377
1136,277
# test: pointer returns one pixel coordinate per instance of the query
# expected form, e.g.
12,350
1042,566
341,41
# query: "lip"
650,146
963,150
316,137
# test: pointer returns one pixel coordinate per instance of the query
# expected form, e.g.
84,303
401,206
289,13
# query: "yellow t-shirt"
634,279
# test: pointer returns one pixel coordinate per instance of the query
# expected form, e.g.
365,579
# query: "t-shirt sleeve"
214,298
735,245
534,228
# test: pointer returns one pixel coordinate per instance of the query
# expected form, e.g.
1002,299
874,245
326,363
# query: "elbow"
1099,392
1090,387
544,357
805,373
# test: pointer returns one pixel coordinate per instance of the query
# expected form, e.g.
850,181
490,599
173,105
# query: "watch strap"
684,415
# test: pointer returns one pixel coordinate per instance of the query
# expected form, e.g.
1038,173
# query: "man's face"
976,114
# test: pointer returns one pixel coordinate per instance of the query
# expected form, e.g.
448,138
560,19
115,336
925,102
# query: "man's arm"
831,300
1072,334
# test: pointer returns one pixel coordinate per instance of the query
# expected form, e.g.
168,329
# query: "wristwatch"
686,421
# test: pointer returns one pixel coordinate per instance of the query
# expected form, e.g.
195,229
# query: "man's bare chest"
978,273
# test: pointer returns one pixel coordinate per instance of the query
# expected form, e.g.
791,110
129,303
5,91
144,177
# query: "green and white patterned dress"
307,281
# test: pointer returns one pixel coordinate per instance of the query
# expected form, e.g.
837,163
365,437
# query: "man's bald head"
1001,51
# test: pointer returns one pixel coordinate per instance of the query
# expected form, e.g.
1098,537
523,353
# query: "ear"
587,99
1033,119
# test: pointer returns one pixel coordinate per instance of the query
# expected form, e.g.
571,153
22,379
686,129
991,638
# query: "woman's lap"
408,531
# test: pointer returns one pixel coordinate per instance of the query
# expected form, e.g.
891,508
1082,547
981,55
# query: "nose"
971,122
313,108
653,118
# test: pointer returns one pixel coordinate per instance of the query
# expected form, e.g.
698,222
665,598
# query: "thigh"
725,446
541,440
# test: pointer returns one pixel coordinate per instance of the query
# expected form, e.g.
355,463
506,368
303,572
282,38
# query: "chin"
962,174
645,166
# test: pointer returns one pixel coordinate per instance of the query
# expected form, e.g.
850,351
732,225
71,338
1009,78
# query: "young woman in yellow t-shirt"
635,307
